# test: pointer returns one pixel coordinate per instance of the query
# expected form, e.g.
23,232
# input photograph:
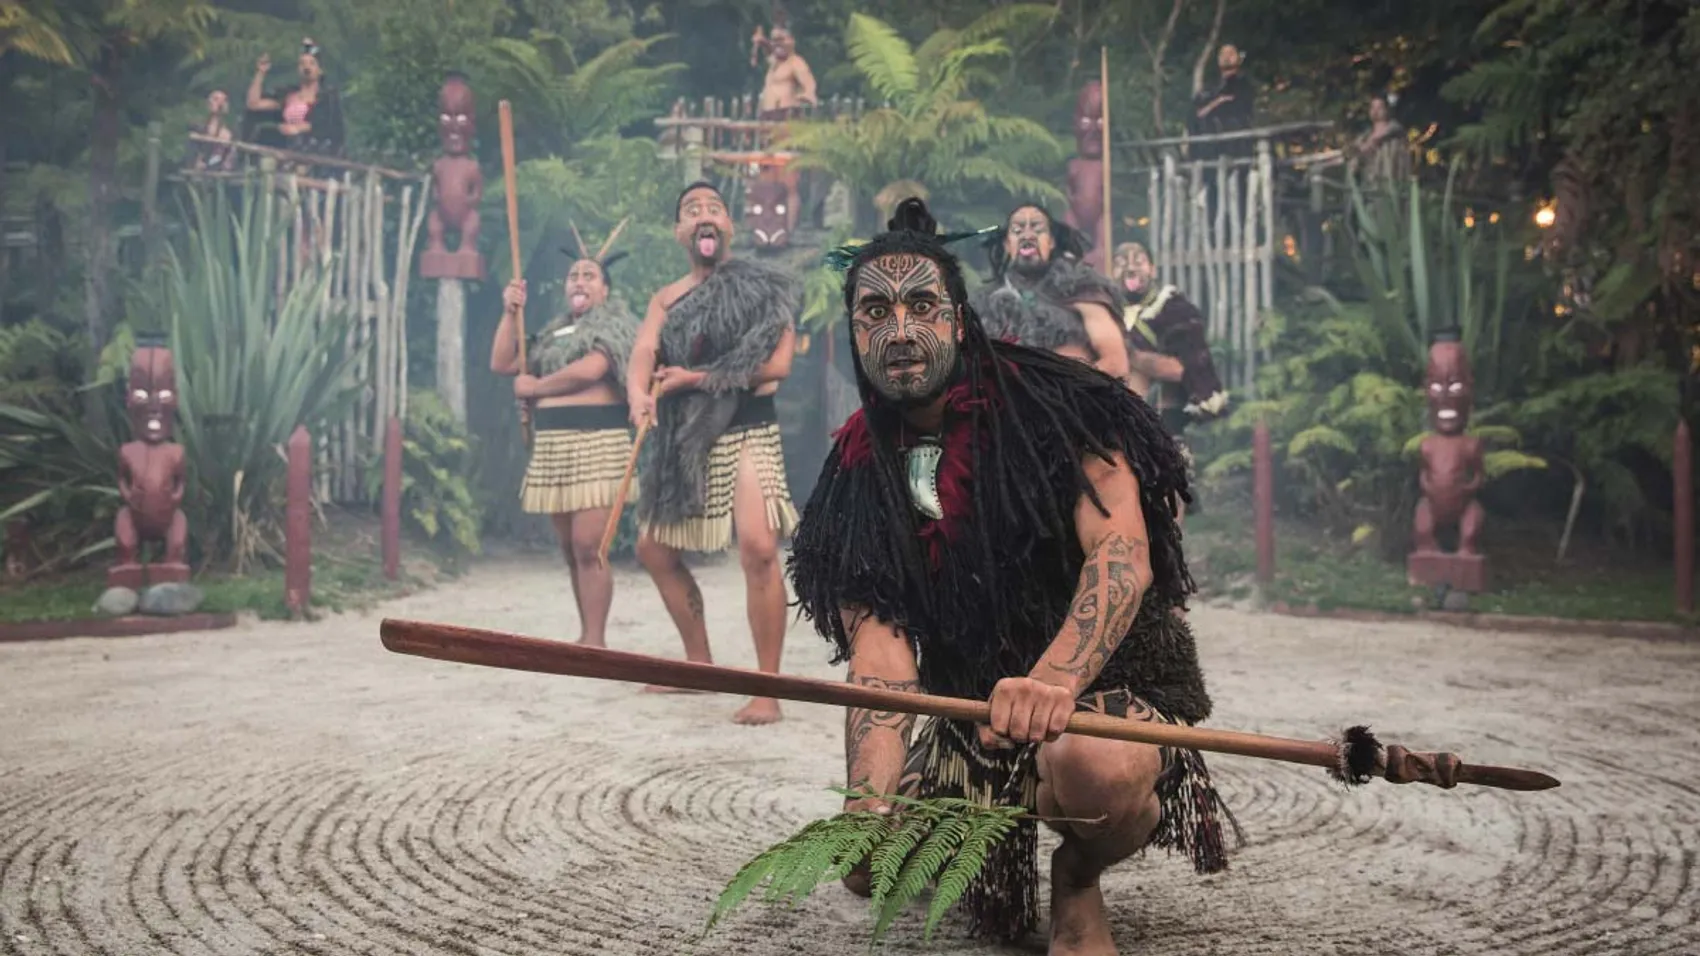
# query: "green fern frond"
1320,436
887,860
922,867
943,839
882,56
1505,461
985,833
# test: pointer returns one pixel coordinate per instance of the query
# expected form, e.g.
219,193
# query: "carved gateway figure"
459,187
768,213
1452,472
1086,172
150,476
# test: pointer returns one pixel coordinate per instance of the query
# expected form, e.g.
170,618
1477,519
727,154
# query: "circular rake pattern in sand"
539,846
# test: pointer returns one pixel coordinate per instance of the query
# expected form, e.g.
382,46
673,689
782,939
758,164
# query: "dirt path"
296,789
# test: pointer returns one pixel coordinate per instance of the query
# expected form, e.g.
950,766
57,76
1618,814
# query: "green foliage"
944,841
1425,271
931,129
251,366
438,460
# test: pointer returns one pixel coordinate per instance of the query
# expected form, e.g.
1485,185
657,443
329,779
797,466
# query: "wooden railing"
732,130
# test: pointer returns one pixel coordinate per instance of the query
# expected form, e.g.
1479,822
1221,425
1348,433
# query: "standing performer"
1168,337
1042,295
997,523
575,376
716,344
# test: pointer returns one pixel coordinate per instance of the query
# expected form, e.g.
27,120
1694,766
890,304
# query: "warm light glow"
1432,157
1144,221
1493,217
1546,215
1560,310
1469,219
803,344
1290,247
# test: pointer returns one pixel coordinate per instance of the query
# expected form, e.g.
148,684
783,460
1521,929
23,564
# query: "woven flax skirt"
578,457
755,429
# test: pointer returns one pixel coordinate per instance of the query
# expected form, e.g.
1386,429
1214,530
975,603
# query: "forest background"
1582,328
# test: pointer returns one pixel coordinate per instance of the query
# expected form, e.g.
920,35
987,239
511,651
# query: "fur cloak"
727,327
1041,314
609,328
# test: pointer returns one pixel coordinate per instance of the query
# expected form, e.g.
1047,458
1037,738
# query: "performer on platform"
1042,295
575,378
714,347
996,522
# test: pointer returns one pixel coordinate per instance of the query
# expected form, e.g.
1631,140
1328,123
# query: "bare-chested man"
789,83
716,344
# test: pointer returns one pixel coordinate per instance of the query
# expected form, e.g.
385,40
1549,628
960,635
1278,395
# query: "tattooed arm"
876,741
1112,581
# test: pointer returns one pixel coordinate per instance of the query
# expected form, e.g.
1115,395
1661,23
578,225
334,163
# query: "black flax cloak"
728,327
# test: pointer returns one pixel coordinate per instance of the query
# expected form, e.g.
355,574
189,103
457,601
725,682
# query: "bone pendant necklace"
923,469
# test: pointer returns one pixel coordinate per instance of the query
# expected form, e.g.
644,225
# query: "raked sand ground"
285,788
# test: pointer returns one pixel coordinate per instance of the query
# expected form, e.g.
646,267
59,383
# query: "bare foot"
587,642
1079,924
760,710
663,689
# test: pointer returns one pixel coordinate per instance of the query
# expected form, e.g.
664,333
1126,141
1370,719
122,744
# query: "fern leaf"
856,848
761,868
883,56
1505,461
988,828
887,860
921,867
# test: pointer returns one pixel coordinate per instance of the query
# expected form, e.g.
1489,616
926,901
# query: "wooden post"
1682,480
451,346
392,499
298,525
150,198
1263,501
1108,235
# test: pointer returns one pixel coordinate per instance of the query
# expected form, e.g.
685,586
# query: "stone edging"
134,625
1645,630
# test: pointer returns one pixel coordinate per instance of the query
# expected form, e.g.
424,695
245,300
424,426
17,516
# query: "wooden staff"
446,642
505,113
625,487
1104,131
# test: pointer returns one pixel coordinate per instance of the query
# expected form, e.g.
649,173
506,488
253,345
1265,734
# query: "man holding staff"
710,354
997,522
573,377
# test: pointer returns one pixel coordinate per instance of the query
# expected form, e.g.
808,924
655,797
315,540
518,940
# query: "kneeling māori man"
996,522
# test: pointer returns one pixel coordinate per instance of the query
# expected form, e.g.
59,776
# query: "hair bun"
911,215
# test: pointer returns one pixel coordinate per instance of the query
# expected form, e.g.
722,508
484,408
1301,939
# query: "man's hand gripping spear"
1355,758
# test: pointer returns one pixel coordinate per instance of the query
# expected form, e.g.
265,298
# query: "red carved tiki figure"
768,213
150,477
459,185
1452,472
1086,171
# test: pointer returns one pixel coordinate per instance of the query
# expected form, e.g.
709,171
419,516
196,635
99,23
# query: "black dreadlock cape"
983,599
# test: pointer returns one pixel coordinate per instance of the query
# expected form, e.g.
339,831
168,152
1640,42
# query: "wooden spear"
1355,758
1104,131
506,114
625,489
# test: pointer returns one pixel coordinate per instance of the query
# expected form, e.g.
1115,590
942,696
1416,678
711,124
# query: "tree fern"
882,56
947,840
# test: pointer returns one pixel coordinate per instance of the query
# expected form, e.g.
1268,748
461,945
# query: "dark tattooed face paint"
907,328
1028,241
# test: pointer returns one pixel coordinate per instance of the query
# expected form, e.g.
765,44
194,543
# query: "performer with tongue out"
574,379
1169,343
710,355
1043,296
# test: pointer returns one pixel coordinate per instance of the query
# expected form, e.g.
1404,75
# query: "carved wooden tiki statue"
459,187
1452,472
151,476
767,213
